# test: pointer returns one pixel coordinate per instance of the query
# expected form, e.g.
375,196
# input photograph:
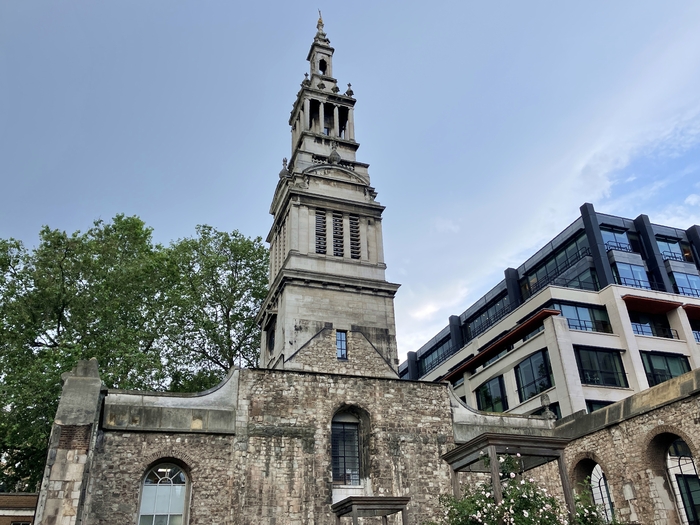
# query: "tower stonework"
330,308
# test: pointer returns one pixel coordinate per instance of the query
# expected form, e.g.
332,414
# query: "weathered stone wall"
320,355
123,458
632,456
277,468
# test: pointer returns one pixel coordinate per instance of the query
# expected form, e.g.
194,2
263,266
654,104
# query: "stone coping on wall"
581,424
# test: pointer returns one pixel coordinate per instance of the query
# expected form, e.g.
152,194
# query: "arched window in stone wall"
683,477
163,496
345,444
589,477
349,446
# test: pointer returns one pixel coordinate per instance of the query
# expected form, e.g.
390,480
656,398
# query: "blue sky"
486,124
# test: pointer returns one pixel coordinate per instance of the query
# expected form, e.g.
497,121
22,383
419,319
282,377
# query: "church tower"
329,308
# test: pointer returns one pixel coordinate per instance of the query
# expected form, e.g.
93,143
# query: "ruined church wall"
632,456
277,467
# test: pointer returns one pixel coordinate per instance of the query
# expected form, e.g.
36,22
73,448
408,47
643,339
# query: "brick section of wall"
319,355
75,437
277,469
632,453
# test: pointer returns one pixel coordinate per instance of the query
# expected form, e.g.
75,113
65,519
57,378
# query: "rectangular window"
345,453
355,237
341,344
686,284
600,366
491,396
689,487
337,234
615,240
592,405
631,275
488,317
655,325
586,318
661,367
695,327
670,249
533,375
321,231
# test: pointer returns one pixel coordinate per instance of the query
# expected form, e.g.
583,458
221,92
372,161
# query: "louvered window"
321,231
354,236
345,444
337,234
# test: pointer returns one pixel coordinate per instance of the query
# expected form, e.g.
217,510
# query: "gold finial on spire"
319,25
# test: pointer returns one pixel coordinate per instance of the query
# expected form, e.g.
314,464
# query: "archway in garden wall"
673,478
589,478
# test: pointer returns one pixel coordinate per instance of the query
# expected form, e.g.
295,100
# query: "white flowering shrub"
524,503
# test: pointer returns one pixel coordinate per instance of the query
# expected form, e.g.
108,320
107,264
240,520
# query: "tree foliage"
160,318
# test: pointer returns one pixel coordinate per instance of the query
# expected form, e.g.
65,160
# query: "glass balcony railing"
590,326
645,285
654,330
690,292
672,256
620,246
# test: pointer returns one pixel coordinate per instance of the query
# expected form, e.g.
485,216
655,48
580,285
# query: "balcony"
620,246
654,330
590,326
696,334
690,292
644,285
672,256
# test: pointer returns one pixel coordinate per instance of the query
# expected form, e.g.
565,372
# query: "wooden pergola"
370,506
534,451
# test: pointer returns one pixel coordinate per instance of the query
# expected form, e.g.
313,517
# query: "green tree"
155,317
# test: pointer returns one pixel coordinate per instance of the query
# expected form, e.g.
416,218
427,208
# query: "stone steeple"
330,308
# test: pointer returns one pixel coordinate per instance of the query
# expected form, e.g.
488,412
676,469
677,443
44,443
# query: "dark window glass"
345,452
487,317
686,284
491,396
583,317
548,270
440,352
341,344
655,325
533,375
631,275
615,240
598,366
670,249
661,367
592,405
689,486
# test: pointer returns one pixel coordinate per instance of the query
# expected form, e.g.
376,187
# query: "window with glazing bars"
337,234
533,375
354,236
661,367
321,231
600,366
345,452
341,344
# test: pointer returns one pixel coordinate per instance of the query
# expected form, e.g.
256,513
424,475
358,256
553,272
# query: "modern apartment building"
609,307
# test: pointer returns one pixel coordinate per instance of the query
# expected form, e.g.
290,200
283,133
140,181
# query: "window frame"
488,386
165,462
601,371
341,345
544,354
651,375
